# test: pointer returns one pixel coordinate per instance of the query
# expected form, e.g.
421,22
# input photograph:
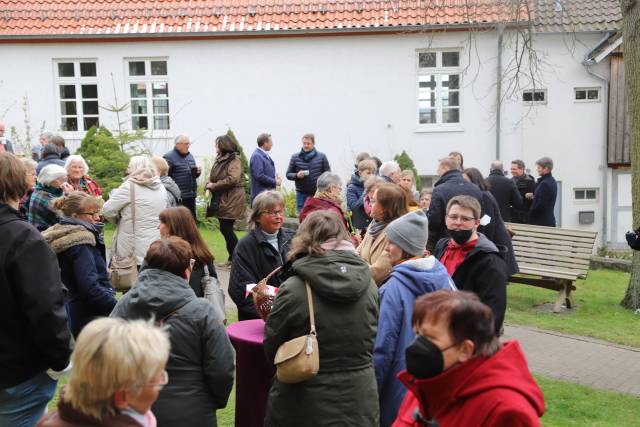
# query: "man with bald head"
5,143
184,171
504,190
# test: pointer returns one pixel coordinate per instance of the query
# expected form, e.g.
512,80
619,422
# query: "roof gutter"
407,29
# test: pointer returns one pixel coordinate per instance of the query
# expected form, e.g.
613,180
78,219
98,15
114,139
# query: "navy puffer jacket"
180,171
316,165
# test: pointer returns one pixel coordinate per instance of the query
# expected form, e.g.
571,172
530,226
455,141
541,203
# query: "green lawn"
597,314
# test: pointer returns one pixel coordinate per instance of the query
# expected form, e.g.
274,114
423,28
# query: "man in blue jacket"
184,171
304,168
262,168
544,196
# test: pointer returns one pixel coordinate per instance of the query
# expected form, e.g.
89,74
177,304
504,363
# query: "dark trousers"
226,228
190,203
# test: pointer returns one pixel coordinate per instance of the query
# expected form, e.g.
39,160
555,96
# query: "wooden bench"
556,257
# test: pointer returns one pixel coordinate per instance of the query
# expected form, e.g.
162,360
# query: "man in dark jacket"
35,338
184,171
504,190
304,168
525,184
474,263
262,168
544,196
450,184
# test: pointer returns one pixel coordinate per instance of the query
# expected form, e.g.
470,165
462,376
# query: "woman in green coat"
345,299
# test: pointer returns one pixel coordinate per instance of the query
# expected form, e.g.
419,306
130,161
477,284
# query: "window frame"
585,190
586,90
148,79
77,81
438,71
533,92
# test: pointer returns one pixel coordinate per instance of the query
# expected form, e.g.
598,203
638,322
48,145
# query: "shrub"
405,162
106,161
289,203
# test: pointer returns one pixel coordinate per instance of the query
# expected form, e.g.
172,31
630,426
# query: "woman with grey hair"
149,197
50,155
328,197
52,183
260,252
78,170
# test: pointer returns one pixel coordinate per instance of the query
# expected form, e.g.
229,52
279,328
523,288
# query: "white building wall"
356,93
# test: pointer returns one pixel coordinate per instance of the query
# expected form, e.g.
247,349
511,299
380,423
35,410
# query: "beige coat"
372,251
228,181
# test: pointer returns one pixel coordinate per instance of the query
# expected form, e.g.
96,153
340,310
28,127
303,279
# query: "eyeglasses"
461,218
273,213
160,384
90,213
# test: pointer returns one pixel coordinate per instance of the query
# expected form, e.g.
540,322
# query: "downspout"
499,90
605,193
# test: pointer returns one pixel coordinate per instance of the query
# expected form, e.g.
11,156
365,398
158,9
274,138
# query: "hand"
529,196
209,185
278,180
300,174
66,188
426,253
198,171
356,239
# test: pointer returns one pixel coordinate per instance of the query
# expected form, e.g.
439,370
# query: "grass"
598,313
569,404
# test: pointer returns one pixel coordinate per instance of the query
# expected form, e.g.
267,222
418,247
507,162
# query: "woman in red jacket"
459,374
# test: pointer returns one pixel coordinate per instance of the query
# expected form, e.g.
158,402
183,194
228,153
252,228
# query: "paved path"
583,360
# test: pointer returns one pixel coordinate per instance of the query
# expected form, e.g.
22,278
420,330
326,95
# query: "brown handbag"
298,359
123,270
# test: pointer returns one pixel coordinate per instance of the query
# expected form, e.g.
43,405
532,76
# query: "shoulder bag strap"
312,317
132,193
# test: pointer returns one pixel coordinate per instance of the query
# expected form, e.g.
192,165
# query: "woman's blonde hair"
161,165
76,202
112,355
315,230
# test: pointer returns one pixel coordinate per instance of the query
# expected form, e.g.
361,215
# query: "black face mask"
424,358
460,236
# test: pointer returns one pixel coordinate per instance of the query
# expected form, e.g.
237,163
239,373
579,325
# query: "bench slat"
552,256
520,244
576,269
547,272
553,230
542,240
526,235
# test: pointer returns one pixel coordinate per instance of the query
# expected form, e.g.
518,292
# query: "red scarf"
455,254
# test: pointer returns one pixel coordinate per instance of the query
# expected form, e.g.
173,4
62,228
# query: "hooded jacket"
174,197
355,188
35,335
81,256
495,391
398,295
253,259
150,200
449,185
200,365
345,302
483,272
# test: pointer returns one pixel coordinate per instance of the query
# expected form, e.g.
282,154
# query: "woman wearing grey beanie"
412,275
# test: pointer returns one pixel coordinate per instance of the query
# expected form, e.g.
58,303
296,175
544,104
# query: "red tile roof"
138,18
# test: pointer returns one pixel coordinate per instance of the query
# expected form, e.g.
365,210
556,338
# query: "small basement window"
586,194
537,96
587,94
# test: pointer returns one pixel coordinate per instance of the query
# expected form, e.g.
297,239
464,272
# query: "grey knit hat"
410,232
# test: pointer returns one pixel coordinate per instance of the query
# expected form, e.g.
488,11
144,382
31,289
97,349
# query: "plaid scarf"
41,214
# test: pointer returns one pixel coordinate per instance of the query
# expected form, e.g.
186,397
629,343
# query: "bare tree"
631,35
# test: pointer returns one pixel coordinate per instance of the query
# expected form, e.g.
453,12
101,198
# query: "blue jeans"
24,404
300,199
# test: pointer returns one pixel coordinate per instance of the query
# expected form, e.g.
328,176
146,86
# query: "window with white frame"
77,94
587,94
439,82
585,194
534,96
148,87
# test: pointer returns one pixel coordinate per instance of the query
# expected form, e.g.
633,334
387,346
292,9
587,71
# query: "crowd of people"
408,289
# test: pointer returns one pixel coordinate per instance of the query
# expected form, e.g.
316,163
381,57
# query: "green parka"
346,307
